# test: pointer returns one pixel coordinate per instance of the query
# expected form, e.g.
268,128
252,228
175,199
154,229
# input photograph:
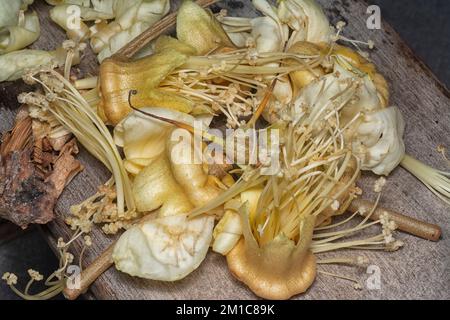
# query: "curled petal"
166,249
199,28
17,37
379,141
15,64
279,269
307,19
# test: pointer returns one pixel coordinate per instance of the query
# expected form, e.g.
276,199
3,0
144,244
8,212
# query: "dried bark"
32,174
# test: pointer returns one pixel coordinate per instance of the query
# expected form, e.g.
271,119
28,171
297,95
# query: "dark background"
423,24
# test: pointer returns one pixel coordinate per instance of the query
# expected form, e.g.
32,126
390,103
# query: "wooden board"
421,270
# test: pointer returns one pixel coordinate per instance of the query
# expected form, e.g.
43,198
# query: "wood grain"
421,270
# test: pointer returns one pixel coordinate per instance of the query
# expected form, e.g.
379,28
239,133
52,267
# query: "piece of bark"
31,177
59,143
66,167
19,138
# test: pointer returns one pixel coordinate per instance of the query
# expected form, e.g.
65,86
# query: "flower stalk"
438,182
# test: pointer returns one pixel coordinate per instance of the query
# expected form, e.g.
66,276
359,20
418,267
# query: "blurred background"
424,25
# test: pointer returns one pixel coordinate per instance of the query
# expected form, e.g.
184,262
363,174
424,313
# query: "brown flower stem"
91,273
265,101
404,223
153,32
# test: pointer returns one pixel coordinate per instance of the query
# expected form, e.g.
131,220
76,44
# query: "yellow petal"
132,168
278,270
164,43
118,78
251,196
199,28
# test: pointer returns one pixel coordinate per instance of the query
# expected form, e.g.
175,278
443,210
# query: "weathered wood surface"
420,270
